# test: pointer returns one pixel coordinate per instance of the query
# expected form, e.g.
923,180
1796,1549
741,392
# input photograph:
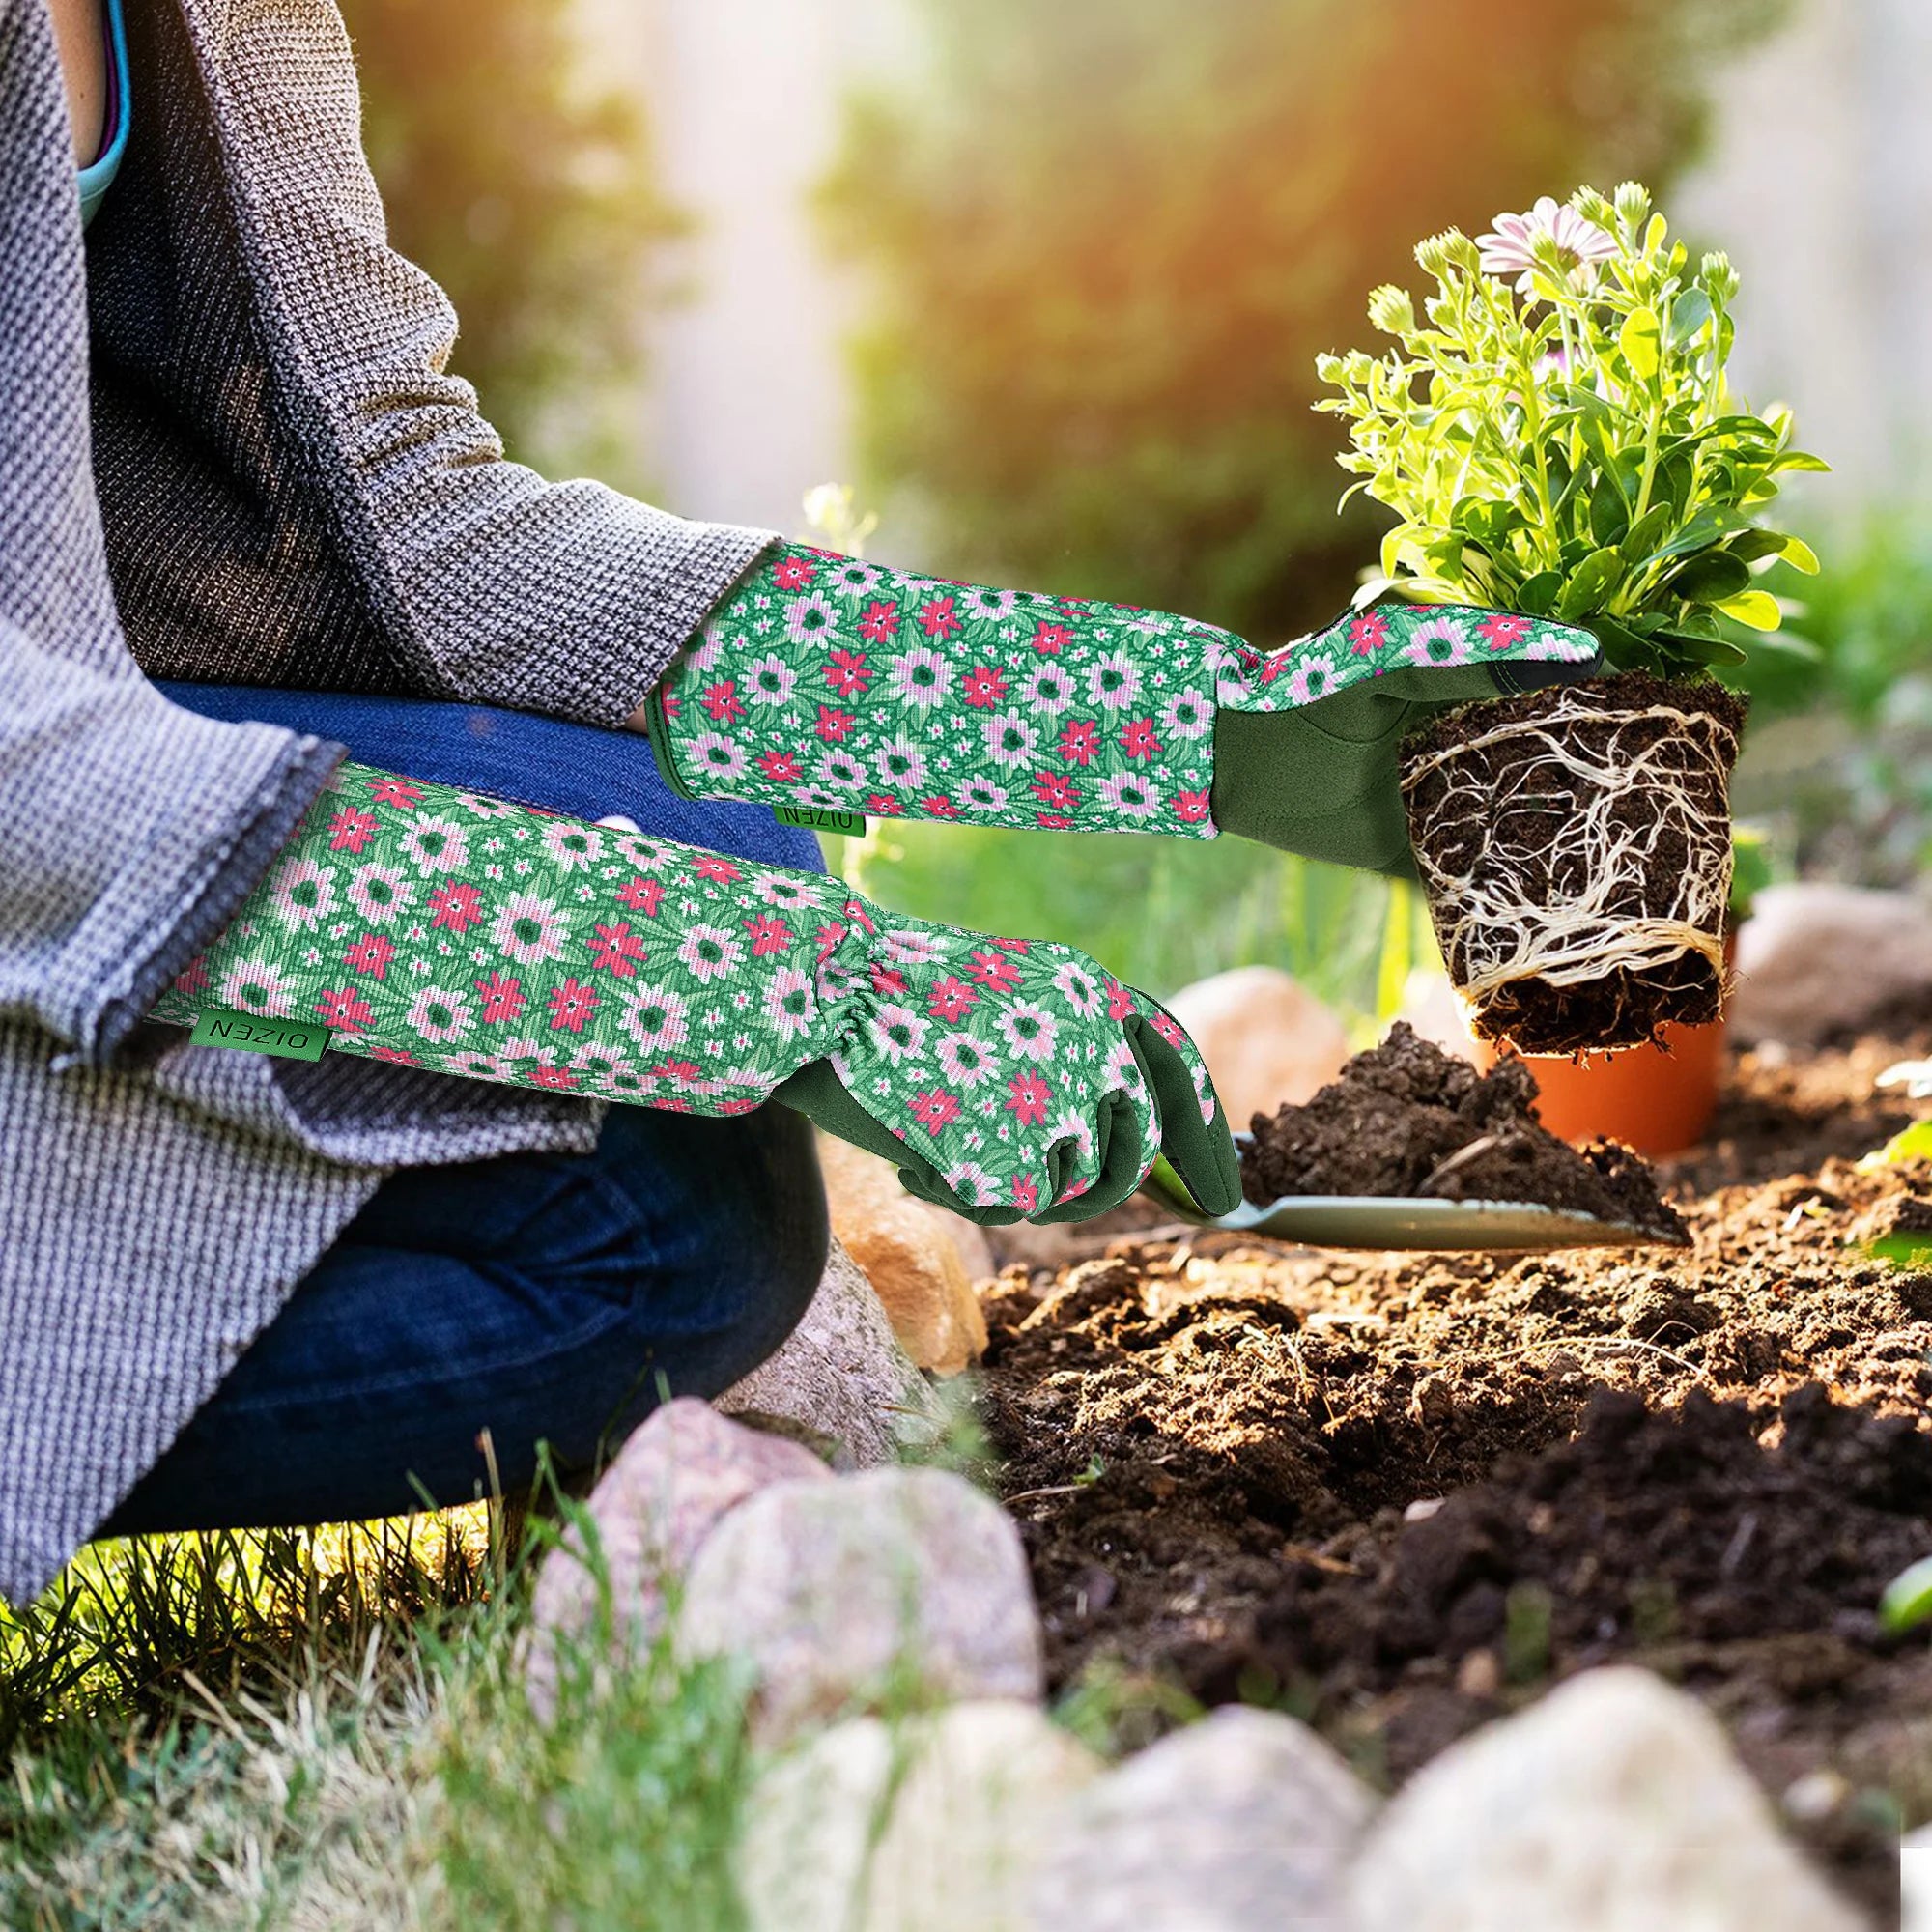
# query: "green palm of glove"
825,683
469,935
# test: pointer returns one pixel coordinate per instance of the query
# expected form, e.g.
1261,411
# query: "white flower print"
1073,1125
973,1184
898,1031
790,1005
781,889
437,844
572,847
654,1017
483,807
1121,1071
710,952
1186,715
645,854
966,1062
715,757
304,893
1029,1030
704,656
1129,794
809,619
979,794
770,681
906,945
998,605
1113,681
841,772
379,893
1010,739
439,1015
470,1065
921,676
1313,676
528,928
1440,641
856,579
1048,690
249,988
901,763
1078,988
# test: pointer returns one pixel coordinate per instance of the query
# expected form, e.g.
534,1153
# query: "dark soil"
1408,1119
1404,1494
1500,813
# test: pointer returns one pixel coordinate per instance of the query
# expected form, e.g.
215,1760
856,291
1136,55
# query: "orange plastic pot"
1655,1102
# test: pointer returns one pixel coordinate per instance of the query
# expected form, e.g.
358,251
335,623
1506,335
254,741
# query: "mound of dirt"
1408,1119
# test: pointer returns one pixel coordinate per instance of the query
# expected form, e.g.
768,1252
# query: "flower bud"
1717,275
1391,310
1633,201
1593,208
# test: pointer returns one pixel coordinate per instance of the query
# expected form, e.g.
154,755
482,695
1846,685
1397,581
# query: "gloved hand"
826,684
460,932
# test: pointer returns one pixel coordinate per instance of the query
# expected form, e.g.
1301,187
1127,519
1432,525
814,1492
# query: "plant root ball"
1575,846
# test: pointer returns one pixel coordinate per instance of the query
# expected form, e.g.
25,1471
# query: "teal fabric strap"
97,176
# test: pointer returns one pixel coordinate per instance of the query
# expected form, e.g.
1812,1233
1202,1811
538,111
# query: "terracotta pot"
1655,1102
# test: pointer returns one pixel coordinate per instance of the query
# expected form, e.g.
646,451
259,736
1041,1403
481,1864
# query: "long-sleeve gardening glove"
466,934
826,685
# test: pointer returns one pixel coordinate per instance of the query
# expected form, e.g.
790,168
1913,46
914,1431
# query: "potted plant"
1556,436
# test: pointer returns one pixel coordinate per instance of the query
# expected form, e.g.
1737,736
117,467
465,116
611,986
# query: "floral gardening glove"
466,934
823,684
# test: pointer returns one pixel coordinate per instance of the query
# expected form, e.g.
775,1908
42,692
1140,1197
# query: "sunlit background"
1044,282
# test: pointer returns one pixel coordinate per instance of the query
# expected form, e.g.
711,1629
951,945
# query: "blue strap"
97,176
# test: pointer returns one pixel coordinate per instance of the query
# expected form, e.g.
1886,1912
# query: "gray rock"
1613,1805
1814,956
842,1384
936,1824
1243,1821
673,1482
857,1594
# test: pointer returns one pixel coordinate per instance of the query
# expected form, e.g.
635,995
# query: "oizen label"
254,1033
846,824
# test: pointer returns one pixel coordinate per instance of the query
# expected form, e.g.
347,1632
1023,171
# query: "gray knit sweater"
280,485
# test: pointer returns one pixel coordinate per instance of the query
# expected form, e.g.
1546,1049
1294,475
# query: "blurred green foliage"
1109,237
528,194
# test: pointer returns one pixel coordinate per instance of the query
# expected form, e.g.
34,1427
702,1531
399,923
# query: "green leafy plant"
1566,442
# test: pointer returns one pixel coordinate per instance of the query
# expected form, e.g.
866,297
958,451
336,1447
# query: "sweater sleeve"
565,598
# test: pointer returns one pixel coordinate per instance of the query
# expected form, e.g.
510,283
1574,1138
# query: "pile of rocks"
913,1783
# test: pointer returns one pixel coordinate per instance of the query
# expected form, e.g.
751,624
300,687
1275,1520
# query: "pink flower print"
502,999
935,1108
709,866
616,949
781,767
346,1009
1028,1098
1025,1193
1368,631
1502,632
722,704
1191,806
951,999
826,939
1048,689
989,970
880,624
371,954
1129,795
351,829
654,1018
529,929
941,807
847,674
964,1061
1080,741
1010,739
769,934
984,687
1113,682
710,953
808,620
1057,790
399,792
940,619
1138,741
1315,677
304,893
922,677
1440,641
718,758
1048,821
883,804
192,976
570,1004
1020,946
834,727
897,1031
399,1056
683,1071
1187,715
455,908
1119,1002
888,981
981,794
560,1077
671,702
643,896
1050,640
1029,1030
1168,1027
792,572
789,1002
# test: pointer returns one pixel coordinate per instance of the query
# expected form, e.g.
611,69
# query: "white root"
1492,922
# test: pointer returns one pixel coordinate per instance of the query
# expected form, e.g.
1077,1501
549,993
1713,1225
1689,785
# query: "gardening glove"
824,685
462,933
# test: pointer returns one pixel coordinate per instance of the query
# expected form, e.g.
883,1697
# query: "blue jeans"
539,1296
